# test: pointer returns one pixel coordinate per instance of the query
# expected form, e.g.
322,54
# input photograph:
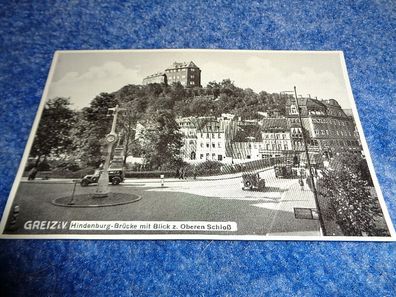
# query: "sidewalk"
230,175
146,180
285,223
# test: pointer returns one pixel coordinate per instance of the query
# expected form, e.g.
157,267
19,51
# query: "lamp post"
321,221
102,190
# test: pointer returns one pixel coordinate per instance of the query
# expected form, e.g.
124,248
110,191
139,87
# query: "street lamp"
321,221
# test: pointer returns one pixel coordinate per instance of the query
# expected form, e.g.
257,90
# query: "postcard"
197,144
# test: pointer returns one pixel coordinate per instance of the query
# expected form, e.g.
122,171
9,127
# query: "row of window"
213,145
329,121
335,113
267,146
341,142
329,143
276,147
181,69
177,70
177,77
316,112
214,157
326,132
211,135
277,136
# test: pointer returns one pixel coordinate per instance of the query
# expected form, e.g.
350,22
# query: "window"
219,144
293,109
207,144
213,156
192,83
213,145
202,145
201,156
219,135
279,147
207,156
220,158
285,146
213,135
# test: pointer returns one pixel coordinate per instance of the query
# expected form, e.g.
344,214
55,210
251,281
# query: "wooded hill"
79,135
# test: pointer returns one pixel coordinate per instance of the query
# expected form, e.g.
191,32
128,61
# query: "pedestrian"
301,182
32,173
309,182
177,172
184,173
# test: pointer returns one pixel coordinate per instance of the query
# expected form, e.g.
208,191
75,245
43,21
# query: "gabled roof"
182,65
192,65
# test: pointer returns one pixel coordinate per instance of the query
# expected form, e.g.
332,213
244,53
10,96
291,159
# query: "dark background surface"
30,32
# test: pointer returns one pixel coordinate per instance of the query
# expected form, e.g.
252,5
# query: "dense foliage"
356,209
53,134
215,99
80,134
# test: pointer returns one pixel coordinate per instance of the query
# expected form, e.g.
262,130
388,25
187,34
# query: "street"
206,199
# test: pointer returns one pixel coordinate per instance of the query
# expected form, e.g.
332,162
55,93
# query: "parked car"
116,176
252,181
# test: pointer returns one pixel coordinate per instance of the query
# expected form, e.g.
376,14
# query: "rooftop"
176,65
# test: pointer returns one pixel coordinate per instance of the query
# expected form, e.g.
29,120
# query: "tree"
93,125
356,209
162,141
53,134
127,120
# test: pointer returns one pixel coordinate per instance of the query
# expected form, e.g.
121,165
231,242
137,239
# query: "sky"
81,75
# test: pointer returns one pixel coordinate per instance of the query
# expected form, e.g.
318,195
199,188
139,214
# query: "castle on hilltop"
188,74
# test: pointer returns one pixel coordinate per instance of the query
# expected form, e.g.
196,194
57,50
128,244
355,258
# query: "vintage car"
252,181
116,176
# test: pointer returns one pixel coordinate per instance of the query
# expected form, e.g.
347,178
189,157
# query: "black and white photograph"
197,144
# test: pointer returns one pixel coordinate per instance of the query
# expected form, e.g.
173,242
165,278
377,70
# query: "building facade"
156,78
207,138
326,126
188,74
228,139
276,137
